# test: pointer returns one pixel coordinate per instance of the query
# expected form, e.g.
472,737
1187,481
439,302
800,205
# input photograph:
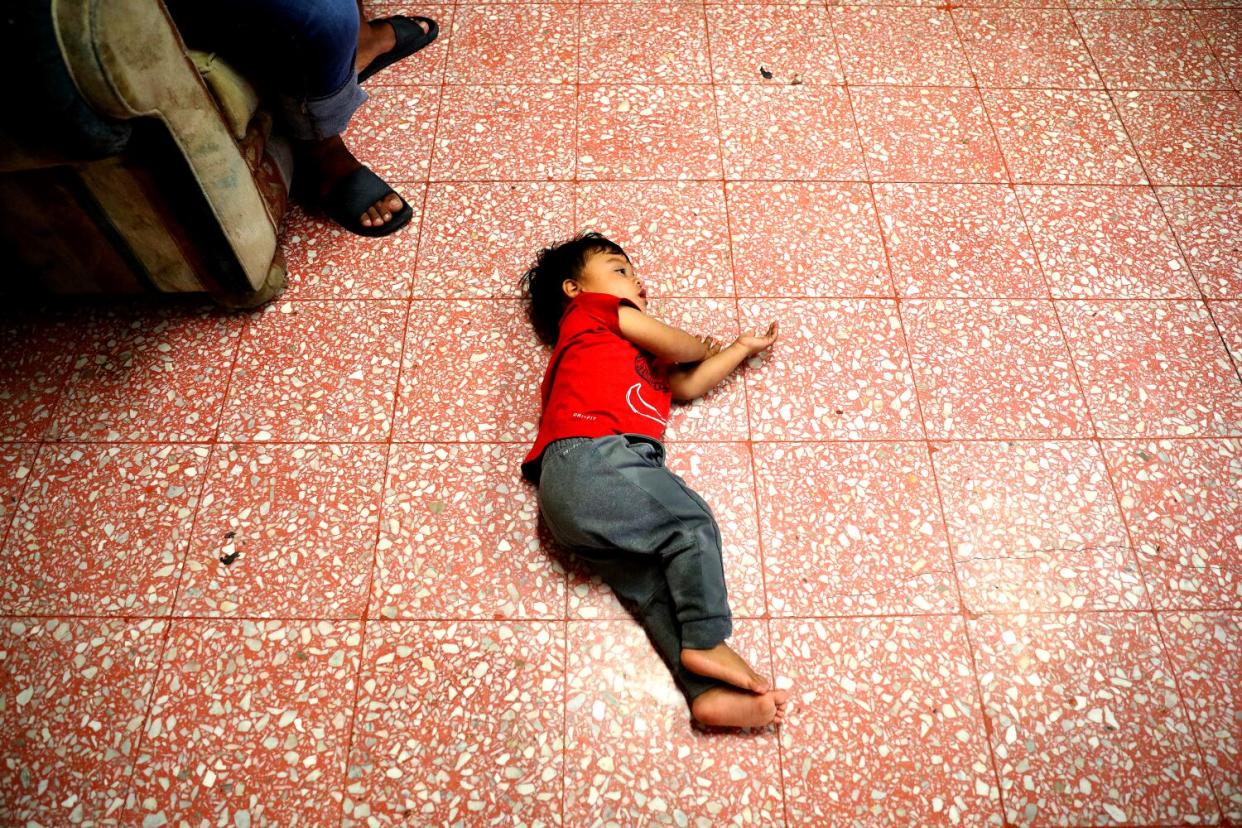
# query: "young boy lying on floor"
604,491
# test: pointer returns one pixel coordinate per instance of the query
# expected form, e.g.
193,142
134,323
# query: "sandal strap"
357,192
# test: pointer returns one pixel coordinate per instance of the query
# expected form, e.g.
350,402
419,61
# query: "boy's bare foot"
720,662
725,707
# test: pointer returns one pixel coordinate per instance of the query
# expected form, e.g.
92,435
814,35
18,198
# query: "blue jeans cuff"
707,633
313,119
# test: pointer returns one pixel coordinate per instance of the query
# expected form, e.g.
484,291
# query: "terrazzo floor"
982,502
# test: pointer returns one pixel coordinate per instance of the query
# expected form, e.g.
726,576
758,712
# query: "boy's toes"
391,204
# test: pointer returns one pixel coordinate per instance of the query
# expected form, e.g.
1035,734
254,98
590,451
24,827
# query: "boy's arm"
693,381
664,341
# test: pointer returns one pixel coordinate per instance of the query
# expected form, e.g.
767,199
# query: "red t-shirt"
598,382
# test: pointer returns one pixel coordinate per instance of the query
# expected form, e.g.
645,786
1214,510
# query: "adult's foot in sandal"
375,37
326,162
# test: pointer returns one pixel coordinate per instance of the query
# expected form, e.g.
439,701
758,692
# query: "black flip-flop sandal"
410,38
357,192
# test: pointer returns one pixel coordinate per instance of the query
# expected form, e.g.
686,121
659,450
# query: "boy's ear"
570,287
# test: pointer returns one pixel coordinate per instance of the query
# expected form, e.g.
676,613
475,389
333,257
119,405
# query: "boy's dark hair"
553,265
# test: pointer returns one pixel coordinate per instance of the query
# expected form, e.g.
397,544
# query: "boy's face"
609,273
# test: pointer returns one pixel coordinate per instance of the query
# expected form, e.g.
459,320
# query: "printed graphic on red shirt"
645,370
634,394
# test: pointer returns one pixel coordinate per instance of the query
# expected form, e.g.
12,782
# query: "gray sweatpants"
612,502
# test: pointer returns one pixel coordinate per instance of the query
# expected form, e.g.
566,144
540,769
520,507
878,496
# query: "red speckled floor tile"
1228,317
500,133
475,384
73,695
1150,49
325,261
1007,387
787,42
1186,137
675,232
795,238
631,757
1034,527
1055,136
1223,28
957,240
297,525
647,132
1180,500
148,373
483,38
988,369
1087,724
1127,4
38,349
102,529
884,723
1203,650
1105,242
248,724
480,237
1153,368
316,371
767,3
839,371
720,414
1206,221
928,134
643,43
454,724
789,131
1209,4
392,132
16,461
721,474
458,537
1034,4
1001,42
894,45
851,529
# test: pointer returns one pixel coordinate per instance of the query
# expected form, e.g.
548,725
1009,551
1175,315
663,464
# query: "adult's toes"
381,211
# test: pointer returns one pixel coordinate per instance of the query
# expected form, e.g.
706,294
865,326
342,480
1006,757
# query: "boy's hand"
712,345
754,343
